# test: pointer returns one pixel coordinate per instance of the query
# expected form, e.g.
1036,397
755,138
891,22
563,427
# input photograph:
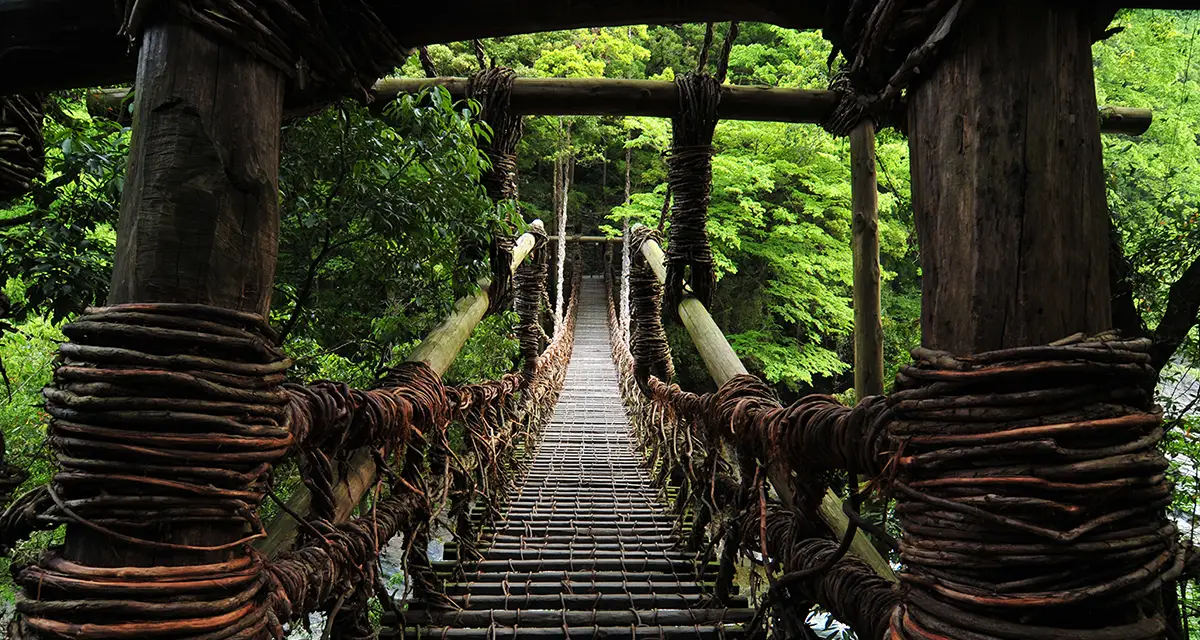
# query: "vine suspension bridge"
587,494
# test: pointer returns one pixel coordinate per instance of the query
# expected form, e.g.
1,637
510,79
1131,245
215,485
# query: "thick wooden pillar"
200,214
1007,182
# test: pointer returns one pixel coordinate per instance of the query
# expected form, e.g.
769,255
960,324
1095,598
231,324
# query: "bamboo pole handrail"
438,350
723,364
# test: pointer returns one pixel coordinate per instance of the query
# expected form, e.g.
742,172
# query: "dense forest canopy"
383,216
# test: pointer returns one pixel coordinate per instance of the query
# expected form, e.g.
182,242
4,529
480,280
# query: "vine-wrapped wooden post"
200,211
149,389
1010,204
868,327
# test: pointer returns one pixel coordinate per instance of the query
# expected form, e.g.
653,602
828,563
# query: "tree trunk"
200,215
1008,184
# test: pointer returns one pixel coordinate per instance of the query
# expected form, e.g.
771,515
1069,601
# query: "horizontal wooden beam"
655,98
608,97
605,239
1126,120
62,44
723,364
438,350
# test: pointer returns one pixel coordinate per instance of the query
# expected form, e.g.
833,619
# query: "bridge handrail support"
723,364
438,350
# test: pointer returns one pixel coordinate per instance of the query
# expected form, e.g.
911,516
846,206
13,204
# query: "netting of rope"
326,49
853,593
492,89
1028,483
1029,487
689,174
22,149
700,445
888,45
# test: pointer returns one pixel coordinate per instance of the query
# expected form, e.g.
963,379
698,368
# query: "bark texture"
1008,185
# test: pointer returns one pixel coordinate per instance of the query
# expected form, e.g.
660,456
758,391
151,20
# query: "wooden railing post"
723,364
437,350
868,323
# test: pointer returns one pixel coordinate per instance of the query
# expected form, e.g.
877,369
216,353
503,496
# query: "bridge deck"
585,548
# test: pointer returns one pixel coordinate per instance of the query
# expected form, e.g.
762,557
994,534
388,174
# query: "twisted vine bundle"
22,149
887,45
689,174
492,89
1029,487
153,438
648,339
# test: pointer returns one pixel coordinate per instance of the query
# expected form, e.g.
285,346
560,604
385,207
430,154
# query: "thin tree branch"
1183,305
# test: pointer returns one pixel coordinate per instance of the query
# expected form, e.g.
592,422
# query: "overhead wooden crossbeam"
655,98
61,44
608,97
602,239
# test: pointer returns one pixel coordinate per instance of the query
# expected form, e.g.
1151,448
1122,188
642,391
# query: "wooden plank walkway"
585,548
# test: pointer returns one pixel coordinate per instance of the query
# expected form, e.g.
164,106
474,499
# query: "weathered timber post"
1008,184
199,217
1009,198
868,327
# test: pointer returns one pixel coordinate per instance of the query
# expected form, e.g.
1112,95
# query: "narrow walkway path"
585,549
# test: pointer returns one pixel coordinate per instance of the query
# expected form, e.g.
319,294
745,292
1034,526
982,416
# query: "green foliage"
59,239
378,215
1154,179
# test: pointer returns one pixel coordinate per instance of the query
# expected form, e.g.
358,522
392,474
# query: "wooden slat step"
592,601
559,618
691,632
576,586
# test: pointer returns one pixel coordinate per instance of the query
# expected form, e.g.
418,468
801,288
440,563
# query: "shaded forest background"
378,203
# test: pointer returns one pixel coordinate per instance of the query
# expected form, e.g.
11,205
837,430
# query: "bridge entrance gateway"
589,495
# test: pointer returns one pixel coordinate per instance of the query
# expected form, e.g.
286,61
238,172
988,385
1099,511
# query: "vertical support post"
1008,182
1009,198
868,326
199,218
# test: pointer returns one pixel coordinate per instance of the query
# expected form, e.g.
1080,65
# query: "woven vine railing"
170,413
1027,481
